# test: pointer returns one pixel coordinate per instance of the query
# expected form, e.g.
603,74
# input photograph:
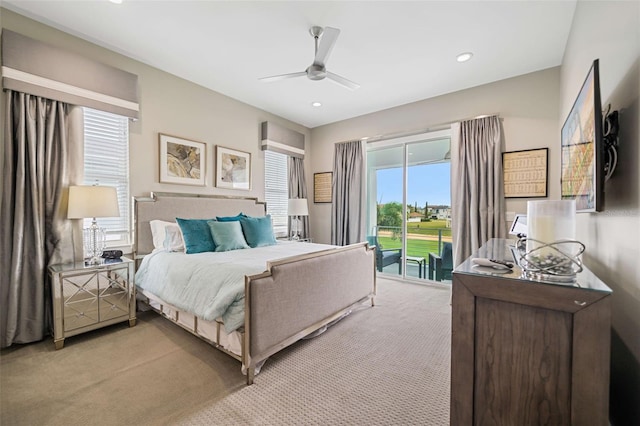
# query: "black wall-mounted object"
610,129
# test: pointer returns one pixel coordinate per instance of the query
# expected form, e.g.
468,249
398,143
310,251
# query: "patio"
431,237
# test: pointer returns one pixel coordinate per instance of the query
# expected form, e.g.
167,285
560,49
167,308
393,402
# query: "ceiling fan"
317,70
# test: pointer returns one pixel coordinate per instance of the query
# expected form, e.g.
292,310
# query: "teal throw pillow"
258,231
231,218
227,235
196,235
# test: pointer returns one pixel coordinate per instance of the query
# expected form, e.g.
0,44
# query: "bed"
297,291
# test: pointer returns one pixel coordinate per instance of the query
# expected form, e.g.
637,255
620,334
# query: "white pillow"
158,232
173,238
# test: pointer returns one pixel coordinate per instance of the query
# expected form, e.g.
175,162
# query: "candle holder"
549,251
558,261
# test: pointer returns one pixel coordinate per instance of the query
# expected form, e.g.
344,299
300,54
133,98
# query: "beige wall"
527,104
174,106
610,32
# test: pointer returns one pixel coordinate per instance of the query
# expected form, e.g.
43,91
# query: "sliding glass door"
409,205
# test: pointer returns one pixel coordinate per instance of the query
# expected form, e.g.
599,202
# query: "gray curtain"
347,208
298,189
476,185
39,142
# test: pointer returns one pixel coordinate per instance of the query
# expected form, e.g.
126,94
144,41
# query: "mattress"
210,285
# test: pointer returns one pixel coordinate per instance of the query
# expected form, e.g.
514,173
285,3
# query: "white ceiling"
399,52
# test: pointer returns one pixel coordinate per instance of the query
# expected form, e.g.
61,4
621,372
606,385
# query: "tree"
390,215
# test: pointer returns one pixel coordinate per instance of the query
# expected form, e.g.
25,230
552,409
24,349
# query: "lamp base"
94,239
295,222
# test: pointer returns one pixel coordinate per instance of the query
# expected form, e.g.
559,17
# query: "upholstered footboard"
298,295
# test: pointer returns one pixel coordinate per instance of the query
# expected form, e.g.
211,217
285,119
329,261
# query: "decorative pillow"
173,238
227,235
158,232
258,231
197,238
231,218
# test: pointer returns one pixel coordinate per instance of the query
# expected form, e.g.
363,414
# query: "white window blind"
276,190
106,160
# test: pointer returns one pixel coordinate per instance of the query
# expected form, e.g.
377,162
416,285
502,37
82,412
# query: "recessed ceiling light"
464,57
116,1
316,104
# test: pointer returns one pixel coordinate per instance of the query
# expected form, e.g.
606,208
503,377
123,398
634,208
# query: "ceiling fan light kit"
324,39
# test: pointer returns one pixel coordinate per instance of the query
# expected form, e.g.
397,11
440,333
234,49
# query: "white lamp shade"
92,201
298,207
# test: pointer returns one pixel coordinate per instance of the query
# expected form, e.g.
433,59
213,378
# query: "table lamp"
297,207
93,202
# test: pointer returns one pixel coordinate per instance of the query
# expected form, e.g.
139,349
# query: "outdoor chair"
441,264
386,257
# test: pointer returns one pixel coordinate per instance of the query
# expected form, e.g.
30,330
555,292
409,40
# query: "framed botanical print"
181,160
322,185
233,168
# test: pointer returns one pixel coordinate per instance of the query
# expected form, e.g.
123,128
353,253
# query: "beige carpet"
383,365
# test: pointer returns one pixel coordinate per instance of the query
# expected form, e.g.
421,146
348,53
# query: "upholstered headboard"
168,206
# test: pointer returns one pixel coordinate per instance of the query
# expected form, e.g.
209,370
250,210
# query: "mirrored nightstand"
86,297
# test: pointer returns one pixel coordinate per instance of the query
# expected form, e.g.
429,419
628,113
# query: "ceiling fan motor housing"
316,72
316,31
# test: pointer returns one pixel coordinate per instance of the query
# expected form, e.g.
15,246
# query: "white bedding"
211,285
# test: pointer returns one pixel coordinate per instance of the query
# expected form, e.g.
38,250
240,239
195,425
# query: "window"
106,160
276,190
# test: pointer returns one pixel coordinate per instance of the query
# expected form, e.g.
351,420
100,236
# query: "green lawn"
419,248
437,229
429,228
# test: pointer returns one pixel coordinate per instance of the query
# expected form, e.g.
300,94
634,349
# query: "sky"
429,183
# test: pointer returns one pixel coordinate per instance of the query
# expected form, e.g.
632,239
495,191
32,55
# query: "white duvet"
211,285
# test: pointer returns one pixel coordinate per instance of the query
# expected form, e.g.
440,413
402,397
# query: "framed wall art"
322,187
233,168
525,173
181,160
582,169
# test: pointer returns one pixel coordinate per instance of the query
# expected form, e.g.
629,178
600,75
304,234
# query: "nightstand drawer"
113,303
81,313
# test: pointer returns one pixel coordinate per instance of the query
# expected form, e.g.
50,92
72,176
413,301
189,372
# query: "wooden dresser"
526,352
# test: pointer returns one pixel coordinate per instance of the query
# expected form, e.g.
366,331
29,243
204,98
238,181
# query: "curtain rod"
432,128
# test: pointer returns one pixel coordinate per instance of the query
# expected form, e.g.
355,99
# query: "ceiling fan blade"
327,41
342,81
283,76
